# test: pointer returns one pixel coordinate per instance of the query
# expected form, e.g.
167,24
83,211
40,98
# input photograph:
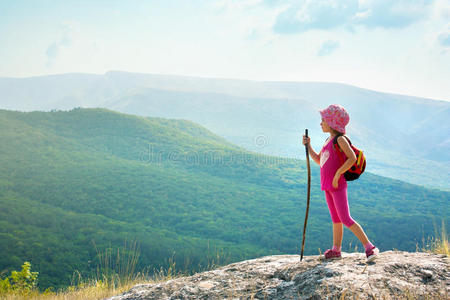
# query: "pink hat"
336,117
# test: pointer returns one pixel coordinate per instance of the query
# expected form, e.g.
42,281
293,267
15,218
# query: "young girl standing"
333,183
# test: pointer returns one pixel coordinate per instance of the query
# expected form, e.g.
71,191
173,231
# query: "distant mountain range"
76,183
403,137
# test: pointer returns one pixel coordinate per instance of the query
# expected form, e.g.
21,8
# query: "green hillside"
73,181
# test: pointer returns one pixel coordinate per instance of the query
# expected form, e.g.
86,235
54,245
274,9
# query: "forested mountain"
75,181
401,135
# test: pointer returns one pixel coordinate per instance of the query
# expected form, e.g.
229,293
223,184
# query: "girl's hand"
335,182
306,140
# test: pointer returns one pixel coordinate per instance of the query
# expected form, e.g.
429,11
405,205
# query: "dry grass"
115,274
90,289
438,244
87,291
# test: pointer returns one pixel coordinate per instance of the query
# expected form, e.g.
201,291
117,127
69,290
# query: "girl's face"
325,127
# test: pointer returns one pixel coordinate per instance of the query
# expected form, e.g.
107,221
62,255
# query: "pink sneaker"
372,253
331,254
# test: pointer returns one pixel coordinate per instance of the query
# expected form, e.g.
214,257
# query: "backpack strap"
335,143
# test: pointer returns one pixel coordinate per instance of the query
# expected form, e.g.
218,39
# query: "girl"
334,120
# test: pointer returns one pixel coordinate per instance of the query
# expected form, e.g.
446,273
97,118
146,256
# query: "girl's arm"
351,157
312,153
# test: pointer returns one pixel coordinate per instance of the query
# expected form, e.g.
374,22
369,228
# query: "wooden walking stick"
308,195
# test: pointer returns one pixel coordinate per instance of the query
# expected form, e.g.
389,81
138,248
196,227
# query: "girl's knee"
349,223
335,218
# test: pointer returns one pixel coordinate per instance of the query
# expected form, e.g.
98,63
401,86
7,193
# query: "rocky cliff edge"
393,275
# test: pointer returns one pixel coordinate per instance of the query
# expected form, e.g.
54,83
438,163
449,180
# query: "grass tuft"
439,244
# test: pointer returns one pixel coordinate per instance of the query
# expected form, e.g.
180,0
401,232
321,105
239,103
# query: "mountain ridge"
264,117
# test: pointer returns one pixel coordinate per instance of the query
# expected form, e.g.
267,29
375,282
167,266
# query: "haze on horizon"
400,47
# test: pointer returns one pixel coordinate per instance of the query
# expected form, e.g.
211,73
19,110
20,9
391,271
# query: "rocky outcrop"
394,275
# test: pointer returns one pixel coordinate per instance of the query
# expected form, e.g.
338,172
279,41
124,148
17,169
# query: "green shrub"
21,282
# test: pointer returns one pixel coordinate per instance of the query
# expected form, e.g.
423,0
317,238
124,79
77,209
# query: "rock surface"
394,275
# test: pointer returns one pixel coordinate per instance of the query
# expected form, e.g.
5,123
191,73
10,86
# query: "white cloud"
52,53
443,39
319,14
248,19
307,15
441,9
252,34
389,14
223,5
66,30
328,47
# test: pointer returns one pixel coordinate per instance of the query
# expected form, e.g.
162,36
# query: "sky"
391,46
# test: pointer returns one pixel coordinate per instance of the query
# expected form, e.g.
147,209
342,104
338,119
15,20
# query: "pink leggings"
338,206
